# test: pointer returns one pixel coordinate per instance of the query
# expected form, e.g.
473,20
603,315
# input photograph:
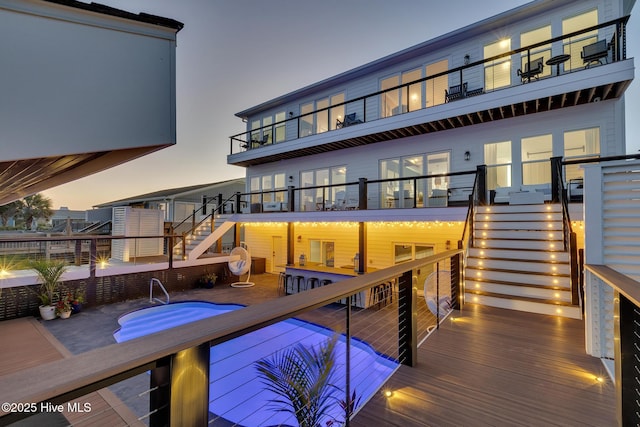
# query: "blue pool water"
236,393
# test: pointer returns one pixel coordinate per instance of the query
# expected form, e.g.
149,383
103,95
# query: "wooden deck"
496,367
489,367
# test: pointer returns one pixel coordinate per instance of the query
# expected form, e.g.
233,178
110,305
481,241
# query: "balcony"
565,79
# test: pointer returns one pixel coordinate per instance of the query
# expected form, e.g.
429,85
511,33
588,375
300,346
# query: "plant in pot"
49,272
208,280
77,298
64,305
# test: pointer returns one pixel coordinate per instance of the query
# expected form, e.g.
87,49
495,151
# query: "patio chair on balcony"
455,92
349,119
532,71
595,52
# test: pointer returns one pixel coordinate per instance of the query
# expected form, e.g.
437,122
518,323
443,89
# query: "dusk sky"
234,54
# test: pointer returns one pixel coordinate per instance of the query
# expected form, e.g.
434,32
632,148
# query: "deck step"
535,278
530,305
519,225
517,254
509,289
539,245
519,217
544,235
511,209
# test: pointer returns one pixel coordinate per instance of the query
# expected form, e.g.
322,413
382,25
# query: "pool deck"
489,367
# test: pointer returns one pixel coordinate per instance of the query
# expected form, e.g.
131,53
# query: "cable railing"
217,368
456,83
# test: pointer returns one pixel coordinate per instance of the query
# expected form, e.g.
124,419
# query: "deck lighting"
3,272
388,393
599,379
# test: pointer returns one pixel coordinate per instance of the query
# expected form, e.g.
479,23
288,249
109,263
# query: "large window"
324,197
317,117
497,73
267,130
573,46
497,157
264,186
536,166
437,86
402,100
536,36
580,144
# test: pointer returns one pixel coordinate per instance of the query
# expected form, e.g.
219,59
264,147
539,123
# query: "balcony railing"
182,389
472,79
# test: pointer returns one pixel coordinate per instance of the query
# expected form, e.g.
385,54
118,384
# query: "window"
437,86
536,166
536,36
317,117
322,251
438,187
497,73
404,99
573,46
497,157
579,144
264,184
266,131
324,197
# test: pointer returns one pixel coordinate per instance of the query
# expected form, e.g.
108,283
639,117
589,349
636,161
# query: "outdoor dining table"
557,60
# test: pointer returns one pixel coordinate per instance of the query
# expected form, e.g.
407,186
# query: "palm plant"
304,379
49,273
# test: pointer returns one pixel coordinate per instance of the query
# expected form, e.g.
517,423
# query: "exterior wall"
90,82
363,162
381,237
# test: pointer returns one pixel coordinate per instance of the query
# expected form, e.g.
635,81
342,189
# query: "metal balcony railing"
472,79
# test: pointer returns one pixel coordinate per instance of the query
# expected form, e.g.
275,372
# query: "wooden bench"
595,52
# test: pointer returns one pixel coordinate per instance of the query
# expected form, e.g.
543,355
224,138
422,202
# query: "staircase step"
559,281
518,290
519,234
530,305
519,208
538,245
550,269
517,254
518,225
519,216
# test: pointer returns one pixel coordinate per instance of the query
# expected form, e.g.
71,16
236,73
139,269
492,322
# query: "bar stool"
298,280
312,282
282,283
325,282
288,280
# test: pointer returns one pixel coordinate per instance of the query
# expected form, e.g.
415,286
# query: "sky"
234,54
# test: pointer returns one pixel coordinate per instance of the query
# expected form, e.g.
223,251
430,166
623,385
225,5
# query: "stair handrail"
468,223
569,237
159,283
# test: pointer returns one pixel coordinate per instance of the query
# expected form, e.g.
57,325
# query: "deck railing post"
291,197
238,202
481,171
407,320
180,395
575,278
362,194
556,179
456,280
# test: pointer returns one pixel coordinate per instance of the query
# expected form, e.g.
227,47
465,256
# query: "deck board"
498,367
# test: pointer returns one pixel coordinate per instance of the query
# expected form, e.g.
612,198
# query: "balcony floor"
489,367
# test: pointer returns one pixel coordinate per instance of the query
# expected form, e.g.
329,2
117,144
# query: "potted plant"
64,306
208,280
77,298
49,272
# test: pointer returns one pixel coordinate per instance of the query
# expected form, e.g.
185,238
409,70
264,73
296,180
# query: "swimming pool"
236,393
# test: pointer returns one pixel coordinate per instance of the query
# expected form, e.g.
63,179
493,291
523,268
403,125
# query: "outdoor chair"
534,70
349,119
594,53
455,92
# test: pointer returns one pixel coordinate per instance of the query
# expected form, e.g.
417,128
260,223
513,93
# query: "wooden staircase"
518,260
201,239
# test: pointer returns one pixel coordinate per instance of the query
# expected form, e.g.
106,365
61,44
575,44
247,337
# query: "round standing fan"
439,303
239,264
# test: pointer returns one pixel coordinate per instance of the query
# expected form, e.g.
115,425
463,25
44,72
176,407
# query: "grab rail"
159,283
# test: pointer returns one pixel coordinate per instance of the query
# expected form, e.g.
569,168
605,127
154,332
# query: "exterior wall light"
467,155
467,59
